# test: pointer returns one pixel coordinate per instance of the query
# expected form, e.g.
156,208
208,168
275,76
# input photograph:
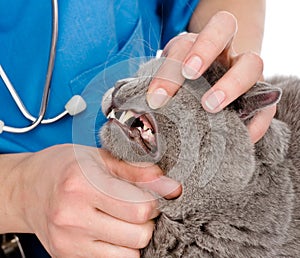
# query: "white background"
281,46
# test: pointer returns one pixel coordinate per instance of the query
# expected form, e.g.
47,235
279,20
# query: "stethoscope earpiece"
75,105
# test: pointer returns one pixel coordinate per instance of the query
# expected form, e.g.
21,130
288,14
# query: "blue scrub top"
93,35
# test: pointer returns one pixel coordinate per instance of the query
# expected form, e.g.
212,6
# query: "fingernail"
214,100
192,67
157,98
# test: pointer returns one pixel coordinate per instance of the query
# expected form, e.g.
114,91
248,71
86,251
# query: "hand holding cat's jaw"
164,186
144,175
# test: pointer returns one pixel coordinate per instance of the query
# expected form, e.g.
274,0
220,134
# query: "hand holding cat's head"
181,134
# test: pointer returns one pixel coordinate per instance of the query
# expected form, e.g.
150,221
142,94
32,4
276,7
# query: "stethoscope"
73,107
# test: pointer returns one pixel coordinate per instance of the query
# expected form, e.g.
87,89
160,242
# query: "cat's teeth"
145,136
111,114
148,136
147,128
121,119
129,114
126,115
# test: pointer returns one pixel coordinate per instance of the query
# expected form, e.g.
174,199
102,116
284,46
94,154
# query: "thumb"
145,175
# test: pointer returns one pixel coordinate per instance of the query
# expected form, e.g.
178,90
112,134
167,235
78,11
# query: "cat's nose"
117,100
123,82
110,97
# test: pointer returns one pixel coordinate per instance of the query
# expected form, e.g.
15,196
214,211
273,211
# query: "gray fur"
239,200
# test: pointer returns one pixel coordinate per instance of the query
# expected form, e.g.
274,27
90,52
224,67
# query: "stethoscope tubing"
44,102
21,105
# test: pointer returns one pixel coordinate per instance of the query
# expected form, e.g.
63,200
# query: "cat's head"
181,134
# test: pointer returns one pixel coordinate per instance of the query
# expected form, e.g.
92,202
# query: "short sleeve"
175,15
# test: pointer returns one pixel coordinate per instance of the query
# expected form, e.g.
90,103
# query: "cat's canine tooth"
125,116
129,114
140,129
121,119
111,114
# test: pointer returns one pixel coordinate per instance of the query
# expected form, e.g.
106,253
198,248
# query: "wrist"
12,193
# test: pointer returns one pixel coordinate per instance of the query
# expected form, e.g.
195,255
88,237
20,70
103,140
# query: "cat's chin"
127,144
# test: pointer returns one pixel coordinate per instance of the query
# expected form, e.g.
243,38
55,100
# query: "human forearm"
12,186
250,17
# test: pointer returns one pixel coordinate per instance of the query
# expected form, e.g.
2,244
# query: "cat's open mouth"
137,127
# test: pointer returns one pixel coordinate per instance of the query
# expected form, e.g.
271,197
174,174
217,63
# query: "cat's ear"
260,96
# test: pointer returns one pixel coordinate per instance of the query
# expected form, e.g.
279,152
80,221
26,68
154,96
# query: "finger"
102,249
132,172
239,78
260,123
68,242
98,225
127,202
145,175
108,193
164,186
210,43
184,39
198,53
110,230
168,79
97,249
123,200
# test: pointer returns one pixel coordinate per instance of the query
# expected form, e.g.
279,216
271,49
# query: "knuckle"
208,48
59,217
211,46
145,235
116,253
73,182
144,212
221,20
57,247
62,211
256,60
236,81
134,254
260,123
227,17
182,43
256,132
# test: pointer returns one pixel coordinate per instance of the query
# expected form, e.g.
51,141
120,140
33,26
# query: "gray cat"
239,200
